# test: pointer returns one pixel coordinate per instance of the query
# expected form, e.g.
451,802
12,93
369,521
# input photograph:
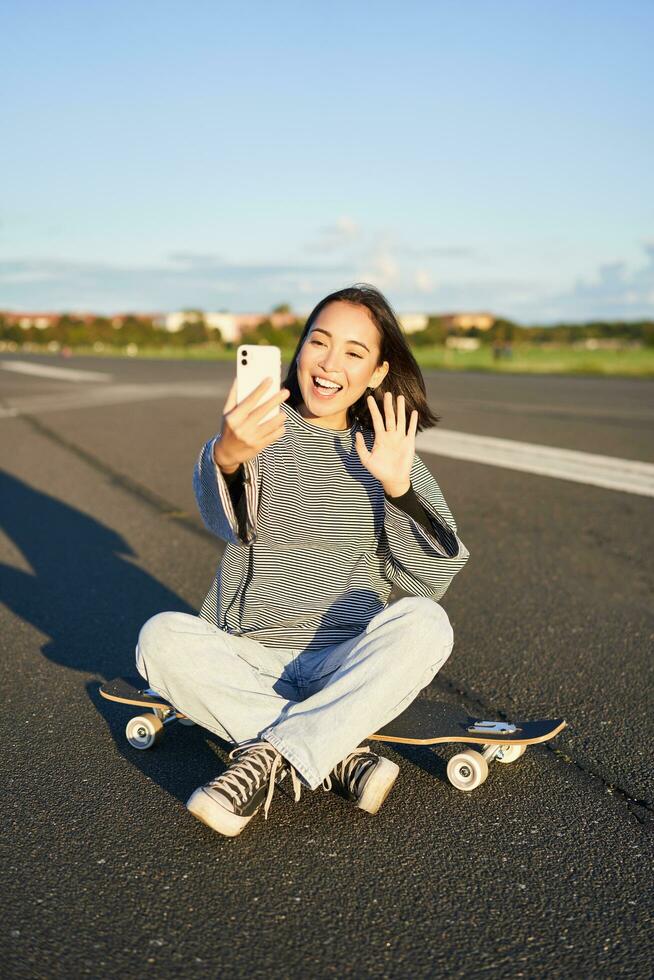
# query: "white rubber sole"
202,805
378,785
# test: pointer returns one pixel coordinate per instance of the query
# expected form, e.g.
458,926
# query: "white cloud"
207,281
614,292
49,284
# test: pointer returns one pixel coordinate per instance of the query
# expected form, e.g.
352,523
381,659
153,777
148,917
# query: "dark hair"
404,376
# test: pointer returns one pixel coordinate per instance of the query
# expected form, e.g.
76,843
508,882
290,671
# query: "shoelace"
350,769
248,774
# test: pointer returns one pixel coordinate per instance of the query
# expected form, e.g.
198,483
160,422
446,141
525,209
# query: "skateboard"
422,723
144,731
430,722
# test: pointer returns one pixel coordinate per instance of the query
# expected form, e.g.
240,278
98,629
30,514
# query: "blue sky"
488,155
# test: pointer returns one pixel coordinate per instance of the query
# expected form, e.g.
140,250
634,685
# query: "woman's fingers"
250,399
375,414
247,413
243,435
250,404
401,414
256,414
231,398
389,422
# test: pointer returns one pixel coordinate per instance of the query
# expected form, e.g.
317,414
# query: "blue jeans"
314,706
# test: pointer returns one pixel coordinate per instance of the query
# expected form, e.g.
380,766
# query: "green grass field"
526,358
532,359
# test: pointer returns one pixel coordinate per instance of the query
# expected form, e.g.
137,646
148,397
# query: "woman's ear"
379,374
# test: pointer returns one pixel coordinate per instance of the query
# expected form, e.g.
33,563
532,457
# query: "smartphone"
254,362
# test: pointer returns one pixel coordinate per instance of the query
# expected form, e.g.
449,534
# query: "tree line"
101,332
508,331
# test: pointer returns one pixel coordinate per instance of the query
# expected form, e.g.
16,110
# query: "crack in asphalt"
642,810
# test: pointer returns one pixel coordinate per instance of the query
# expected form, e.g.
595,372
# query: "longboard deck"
422,723
129,690
428,722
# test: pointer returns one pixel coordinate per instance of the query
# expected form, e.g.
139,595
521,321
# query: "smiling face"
343,348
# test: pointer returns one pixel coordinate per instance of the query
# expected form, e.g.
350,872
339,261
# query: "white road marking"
609,472
555,410
58,373
114,395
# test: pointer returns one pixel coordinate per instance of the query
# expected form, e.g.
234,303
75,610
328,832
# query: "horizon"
300,315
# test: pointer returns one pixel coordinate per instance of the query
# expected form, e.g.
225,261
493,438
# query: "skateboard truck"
493,728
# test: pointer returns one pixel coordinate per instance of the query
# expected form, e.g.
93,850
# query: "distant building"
27,320
412,322
156,319
173,322
231,325
43,320
467,321
226,323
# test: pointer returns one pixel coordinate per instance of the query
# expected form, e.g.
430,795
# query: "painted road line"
126,394
609,472
569,412
57,373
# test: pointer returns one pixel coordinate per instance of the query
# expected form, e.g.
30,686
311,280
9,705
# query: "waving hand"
392,453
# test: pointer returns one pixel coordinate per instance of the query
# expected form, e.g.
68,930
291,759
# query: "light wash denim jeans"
314,706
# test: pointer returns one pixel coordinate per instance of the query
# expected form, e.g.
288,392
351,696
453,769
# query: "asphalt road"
545,870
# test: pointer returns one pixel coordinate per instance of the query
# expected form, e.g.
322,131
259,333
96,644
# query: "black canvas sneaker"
228,802
363,777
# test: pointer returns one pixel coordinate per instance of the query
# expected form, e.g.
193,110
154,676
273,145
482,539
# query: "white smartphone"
254,362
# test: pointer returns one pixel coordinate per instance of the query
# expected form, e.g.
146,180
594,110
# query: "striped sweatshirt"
320,545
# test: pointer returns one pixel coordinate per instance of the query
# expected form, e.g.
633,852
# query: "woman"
296,655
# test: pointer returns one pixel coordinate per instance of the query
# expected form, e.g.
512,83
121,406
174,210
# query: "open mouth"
322,391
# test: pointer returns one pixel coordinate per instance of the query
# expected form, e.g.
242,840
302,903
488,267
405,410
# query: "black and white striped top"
321,545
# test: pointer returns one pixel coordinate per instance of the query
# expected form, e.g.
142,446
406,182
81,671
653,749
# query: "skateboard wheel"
510,753
144,731
467,770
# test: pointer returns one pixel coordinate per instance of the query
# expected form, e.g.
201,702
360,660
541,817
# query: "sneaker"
363,777
228,802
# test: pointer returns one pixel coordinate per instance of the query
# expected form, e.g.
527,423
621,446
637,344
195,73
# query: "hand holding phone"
243,433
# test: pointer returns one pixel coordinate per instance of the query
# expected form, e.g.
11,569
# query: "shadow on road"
85,594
